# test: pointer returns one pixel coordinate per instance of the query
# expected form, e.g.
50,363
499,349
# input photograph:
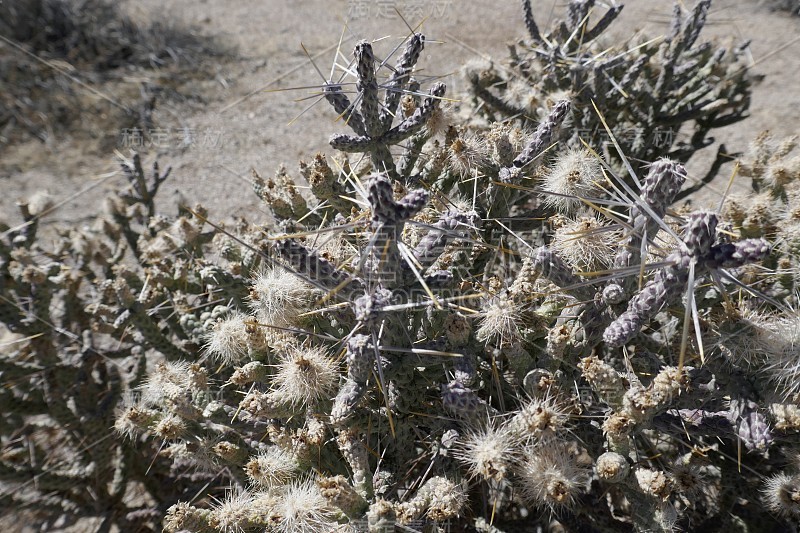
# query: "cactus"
66,370
646,91
410,346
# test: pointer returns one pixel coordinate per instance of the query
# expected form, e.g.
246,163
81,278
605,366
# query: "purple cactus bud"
385,210
543,135
342,105
733,255
367,87
360,357
613,294
309,263
700,233
755,431
368,306
452,224
662,183
417,120
350,143
345,402
554,269
460,400
400,77
666,285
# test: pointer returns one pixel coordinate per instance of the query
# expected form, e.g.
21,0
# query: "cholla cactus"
65,376
411,346
646,92
772,211
424,337
371,120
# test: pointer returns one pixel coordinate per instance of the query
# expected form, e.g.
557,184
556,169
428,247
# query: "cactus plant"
662,97
409,345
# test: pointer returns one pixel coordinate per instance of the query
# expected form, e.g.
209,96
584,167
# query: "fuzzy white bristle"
488,452
305,375
228,339
781,494
272,466
302,509
551,475
586,243
576,174
500,321
277,296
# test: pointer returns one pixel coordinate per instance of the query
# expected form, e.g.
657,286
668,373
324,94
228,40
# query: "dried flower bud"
249,373
654,483
184,517
227,340
612,467
781,494
551,475
272,467
539,418
342,495
170,427
305,375
487,452
576,174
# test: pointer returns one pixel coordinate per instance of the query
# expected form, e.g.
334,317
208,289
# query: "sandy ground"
248,118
